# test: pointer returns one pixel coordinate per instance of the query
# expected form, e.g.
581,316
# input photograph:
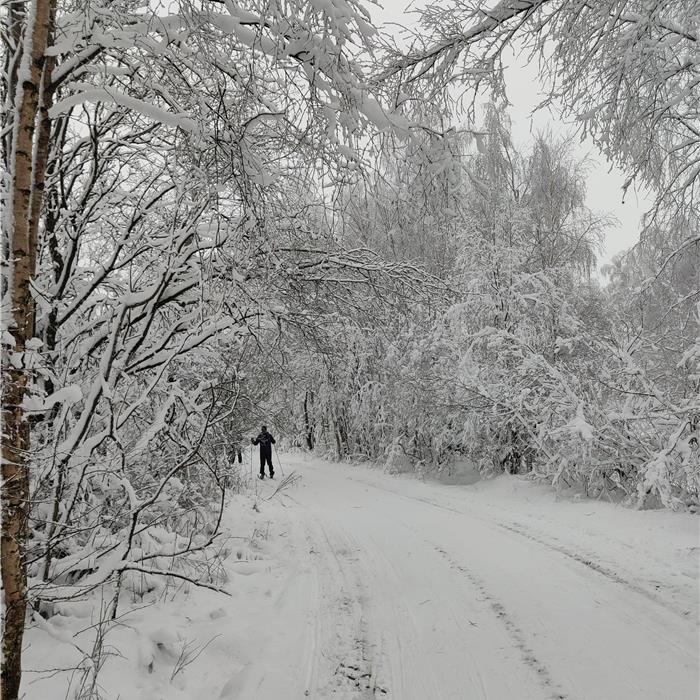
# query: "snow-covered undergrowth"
171,640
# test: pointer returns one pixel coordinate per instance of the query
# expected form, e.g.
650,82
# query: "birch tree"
27,31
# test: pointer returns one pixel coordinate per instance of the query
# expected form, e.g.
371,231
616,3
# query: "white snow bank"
173,641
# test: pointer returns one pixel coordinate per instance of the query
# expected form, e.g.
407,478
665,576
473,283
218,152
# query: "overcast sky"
524,92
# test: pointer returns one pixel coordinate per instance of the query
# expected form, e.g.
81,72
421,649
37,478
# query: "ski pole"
277,456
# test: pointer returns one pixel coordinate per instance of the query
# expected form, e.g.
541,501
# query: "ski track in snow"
348,664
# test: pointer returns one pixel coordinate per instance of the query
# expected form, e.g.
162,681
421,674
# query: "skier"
266,441
235,448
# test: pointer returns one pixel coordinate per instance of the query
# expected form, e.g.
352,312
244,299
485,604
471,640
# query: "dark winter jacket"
266,441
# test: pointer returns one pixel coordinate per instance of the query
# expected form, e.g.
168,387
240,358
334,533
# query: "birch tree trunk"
31,25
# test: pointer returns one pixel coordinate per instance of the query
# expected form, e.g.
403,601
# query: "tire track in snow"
403,653
352,668
516,634
595,566
520,530
360,665
312,646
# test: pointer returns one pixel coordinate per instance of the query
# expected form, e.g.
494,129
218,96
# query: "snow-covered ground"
355,584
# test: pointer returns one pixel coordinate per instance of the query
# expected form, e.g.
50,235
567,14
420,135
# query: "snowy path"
422,592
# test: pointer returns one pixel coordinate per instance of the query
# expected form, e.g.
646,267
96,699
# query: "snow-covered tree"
627,70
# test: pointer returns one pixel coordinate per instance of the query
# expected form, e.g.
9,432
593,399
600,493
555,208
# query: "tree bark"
307,422
26,168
